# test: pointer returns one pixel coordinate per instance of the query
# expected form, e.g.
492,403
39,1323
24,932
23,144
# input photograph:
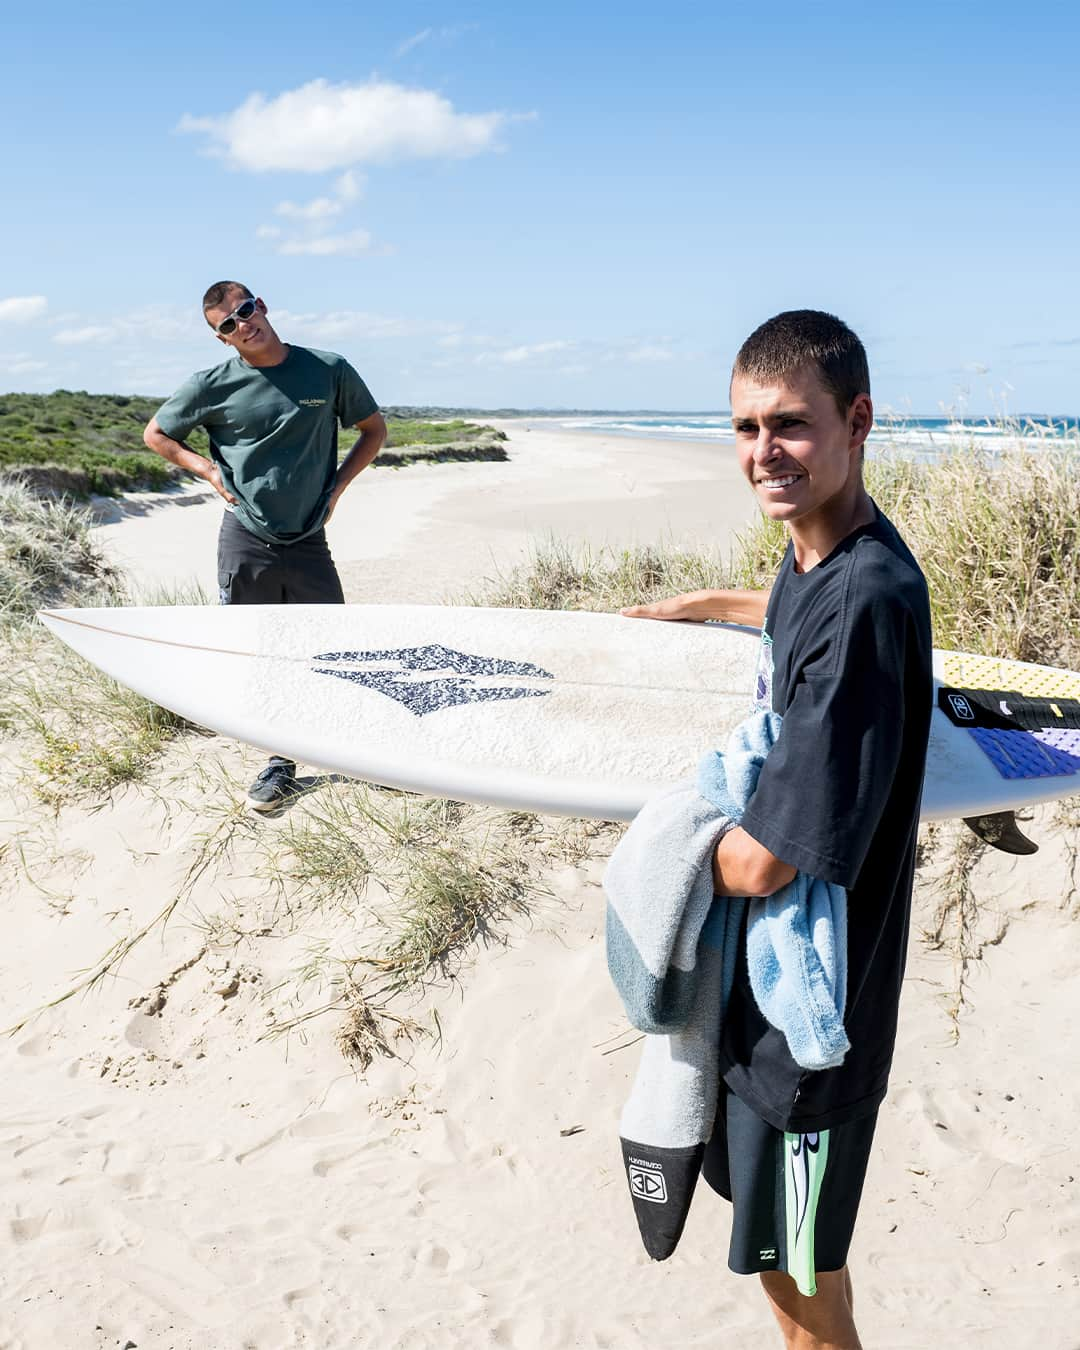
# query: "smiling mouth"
779,482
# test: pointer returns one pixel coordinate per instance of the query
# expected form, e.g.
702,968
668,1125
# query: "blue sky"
563,205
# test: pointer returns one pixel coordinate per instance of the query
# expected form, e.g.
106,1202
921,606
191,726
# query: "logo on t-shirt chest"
763,682
311,402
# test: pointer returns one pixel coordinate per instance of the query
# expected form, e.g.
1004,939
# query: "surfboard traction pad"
1010,709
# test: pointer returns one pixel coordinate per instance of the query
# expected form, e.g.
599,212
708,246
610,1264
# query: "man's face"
795,447
249,334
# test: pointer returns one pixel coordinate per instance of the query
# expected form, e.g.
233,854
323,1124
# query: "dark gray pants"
251,572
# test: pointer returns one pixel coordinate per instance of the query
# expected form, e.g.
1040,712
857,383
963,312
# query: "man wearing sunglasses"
271,412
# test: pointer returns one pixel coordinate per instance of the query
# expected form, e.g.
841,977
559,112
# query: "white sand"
427,532
169,1180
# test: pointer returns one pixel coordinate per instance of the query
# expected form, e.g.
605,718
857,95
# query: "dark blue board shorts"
794,1197
251,572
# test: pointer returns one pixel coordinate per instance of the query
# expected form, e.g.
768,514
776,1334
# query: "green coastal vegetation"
79,444
383,889
415,440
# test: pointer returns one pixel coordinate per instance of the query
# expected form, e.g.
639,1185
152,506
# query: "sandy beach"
426,533
173,1178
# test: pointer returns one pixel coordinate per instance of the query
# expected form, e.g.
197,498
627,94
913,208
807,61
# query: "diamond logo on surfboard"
433,677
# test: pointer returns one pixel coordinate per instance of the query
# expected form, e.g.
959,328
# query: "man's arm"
747,607
742,866
368,444
176,452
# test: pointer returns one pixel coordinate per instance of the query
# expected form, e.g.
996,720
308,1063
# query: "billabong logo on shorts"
429,679
647,1185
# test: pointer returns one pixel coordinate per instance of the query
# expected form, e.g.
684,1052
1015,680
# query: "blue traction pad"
1030,754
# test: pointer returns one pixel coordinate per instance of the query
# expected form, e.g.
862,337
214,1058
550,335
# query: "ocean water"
920,437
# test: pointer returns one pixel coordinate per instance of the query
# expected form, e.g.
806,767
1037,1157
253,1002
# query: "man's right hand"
214,479
745,607
675,608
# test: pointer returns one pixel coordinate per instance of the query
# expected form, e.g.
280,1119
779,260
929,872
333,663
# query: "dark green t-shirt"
273,434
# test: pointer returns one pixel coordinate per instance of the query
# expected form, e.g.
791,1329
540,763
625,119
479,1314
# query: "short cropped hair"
807,337
218,292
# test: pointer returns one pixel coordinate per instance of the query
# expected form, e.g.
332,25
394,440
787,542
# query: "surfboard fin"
1000,830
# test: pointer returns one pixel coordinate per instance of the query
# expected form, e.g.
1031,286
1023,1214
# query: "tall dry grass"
996,536
47,556
82,733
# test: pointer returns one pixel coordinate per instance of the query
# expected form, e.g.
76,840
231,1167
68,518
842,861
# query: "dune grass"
562,575
998,538
413,440
83,734
419,431
47,557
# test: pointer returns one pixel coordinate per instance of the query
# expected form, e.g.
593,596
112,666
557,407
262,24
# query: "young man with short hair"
845,660
271,412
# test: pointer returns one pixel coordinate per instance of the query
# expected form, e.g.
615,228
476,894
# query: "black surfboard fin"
1000,830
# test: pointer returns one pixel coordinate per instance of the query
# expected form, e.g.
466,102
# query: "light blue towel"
660,896
672,953
796,939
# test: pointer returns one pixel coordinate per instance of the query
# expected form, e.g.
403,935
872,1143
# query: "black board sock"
662,1182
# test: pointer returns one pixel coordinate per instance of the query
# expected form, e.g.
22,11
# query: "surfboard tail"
661,1182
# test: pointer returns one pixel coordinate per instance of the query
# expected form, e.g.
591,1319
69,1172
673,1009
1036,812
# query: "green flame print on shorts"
805,1156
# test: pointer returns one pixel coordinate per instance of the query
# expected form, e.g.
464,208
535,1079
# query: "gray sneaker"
274,786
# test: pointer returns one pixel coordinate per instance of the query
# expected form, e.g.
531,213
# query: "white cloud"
350,245
268,232
457,339
24,367
349,186
650,352
513,356
414,41
22,308
91,333
322,126
353,323
446,34
347,189
318,209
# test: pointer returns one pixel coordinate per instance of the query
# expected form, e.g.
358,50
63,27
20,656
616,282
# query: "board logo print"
961,708
431,678
647,1185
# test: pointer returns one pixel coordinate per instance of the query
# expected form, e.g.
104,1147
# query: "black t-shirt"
845,661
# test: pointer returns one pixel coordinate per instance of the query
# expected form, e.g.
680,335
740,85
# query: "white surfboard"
553,711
